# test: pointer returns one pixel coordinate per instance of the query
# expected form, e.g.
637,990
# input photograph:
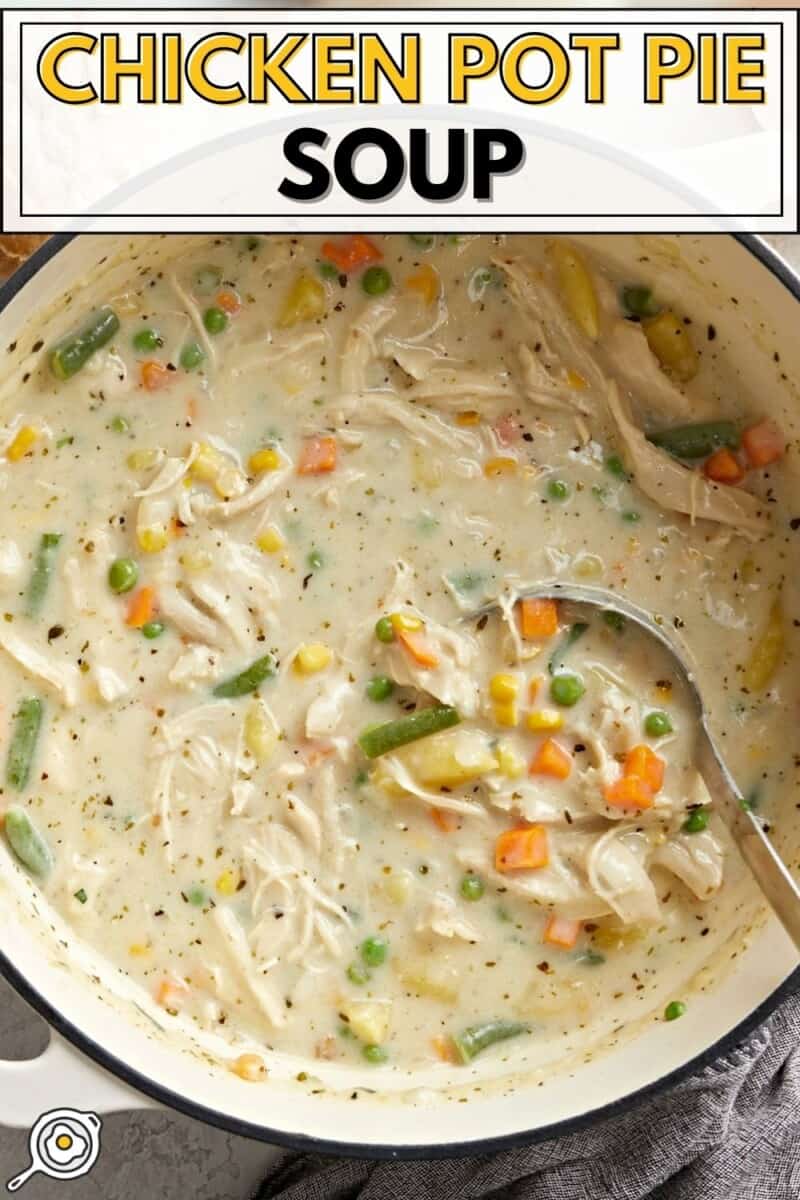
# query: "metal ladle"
756,849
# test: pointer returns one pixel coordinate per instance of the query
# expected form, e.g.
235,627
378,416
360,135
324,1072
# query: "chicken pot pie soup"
261,754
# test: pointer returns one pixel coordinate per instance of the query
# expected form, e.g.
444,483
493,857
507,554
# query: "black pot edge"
306,1144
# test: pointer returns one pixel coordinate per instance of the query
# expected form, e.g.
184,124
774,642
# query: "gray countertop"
160,1154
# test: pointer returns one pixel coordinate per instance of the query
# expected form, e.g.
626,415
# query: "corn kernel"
469,417
544,719
500,466
506,714
227,883
264,460
397,888
260,737
270,541
138,949
153,539
589,566
310,659
503,687
250,1067
207,463
22,443
406,622
575,380
509,763
425,282
195,560
143,460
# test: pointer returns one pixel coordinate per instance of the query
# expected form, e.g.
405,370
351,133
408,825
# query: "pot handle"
61,1078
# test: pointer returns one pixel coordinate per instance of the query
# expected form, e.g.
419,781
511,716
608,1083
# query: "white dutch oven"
104,1054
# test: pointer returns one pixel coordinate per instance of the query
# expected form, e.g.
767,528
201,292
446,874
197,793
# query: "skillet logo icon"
63,1144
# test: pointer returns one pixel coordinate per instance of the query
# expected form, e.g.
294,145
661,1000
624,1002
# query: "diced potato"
304,302
509,762
670,341
397,887
368,1019
260,736
426,977
449,759
767,653
577,288
611,935
547,997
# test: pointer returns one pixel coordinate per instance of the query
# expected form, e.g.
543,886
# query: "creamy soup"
283,742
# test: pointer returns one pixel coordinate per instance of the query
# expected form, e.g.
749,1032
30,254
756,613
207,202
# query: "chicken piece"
696,859
616,867
444,918
636,365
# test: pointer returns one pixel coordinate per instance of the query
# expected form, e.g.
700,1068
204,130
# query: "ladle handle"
769,869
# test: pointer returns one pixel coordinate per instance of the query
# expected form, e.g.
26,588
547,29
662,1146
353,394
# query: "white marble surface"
162,1155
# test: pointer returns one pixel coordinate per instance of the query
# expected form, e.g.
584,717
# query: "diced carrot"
191,408
533,687
642,762
445,820
352,253
630,791
560,931
171,995
551,759
317,456
229,302
315,752
507,429
538,619
522,849
445,1049
724,467
140,607
154,375
763,443
418,646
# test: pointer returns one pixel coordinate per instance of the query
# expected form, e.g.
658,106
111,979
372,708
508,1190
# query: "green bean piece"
248,680
74,351
638,301
27,722
384,630
25,840
590,958
696,821
476,1038
696,441
380,739
631,516
675,1009
568,640
42,572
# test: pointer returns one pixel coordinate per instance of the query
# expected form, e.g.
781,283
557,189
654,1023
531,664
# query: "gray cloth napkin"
730,1132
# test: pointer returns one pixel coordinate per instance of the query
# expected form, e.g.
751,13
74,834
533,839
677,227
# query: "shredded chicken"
444,918
62,677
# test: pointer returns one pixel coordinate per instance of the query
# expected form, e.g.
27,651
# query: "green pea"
123,574
152,630
207,280
374,950
558,489
328,270
384,630
631,516
566,689
145,340
657,724
215,320
614,620
376,280
423,240
616,467
358,974
119,425
81,896
315,560
192,355
696,821
380,688
197,896
472,887
638,301
675,1009
374,1054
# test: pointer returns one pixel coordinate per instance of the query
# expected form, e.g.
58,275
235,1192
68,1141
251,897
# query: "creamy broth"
275,771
